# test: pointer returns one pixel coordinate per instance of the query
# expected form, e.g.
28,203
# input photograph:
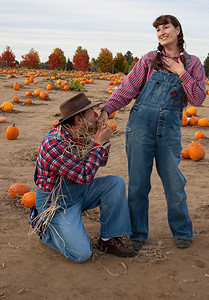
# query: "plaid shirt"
56,158
192,81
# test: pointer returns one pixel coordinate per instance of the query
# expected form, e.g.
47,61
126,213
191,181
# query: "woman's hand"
102,119
174,67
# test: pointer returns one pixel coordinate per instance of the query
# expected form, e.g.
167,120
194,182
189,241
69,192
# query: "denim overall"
66,233
154,131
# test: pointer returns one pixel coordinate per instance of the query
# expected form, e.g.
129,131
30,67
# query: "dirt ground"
30,270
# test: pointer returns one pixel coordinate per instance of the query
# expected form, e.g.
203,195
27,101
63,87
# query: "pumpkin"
16,86
185,120
192,111
28,94
12,132
16,100
199,135
66,87
49,86
37,92
28,101
55,122
59,81
111,116
7,106
44,95
27,81
193,121
17,190
186,113
2,120
112,124
185,153
196,151
28,199
35,82
204,122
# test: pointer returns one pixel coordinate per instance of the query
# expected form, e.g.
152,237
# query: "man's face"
90,120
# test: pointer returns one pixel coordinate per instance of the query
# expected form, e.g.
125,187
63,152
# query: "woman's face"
167,35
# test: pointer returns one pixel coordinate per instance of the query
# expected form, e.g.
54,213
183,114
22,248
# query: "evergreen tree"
206,65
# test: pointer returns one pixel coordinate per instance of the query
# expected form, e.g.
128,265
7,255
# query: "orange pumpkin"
185,120
44,95
186,113
49,86
185,153
196,151
16,86
55,122
37,92
12,132
16,100
27,94
199,135
204,122
28,101
193,121
192,111
7,106
112,124
28,199
111,116
27,81
17,190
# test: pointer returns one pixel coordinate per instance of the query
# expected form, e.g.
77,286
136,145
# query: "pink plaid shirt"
192,81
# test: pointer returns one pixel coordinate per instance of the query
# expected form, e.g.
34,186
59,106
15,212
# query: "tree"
69,65
206,65
57,59
105,60
93,65
129,57
80,62
81,50
8,57
120,63
31,60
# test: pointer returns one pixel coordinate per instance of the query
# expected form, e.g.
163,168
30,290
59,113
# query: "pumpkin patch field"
29,269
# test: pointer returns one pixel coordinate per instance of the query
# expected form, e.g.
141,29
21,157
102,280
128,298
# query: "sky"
118,25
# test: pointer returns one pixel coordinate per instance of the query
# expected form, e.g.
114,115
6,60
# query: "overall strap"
188,60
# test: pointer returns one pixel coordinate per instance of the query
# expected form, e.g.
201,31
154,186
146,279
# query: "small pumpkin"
112,115
16,86
12,132
49,86
37,92
112,124
16,100
204,122
44,95
196,151
193,121
27,81
28,199
17,190
2,120
185,120
185,153
7,106
27,94
192,111
199,135
28,101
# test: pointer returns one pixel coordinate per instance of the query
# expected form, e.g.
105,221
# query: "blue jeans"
66,233
154,132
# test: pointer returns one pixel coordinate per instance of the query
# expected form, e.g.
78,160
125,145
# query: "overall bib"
154,131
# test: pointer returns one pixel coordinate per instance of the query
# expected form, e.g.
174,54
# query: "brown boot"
115,246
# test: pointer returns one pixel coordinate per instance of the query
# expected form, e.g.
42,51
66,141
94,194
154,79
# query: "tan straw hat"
74,106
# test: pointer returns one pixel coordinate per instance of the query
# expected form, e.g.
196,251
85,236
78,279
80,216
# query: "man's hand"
102,134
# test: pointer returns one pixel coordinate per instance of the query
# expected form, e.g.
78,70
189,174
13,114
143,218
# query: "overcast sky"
119,25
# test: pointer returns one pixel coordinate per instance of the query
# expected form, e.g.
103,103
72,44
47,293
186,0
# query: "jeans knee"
80,256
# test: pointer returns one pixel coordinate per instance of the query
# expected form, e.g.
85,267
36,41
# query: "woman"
162,82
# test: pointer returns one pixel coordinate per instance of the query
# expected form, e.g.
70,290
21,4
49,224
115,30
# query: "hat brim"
93,104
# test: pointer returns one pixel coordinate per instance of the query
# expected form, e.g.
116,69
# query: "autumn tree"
120,63
57,59
8,57
31,60
93,65
129,57
105,60
133,63
81,50
80,62
206,65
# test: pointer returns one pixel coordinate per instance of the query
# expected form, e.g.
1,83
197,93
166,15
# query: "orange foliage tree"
105,60
120,63
57,59
8,57
31,60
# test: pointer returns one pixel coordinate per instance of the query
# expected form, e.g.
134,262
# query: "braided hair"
163,20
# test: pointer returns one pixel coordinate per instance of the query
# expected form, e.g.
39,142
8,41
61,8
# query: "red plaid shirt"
192,81
56,159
